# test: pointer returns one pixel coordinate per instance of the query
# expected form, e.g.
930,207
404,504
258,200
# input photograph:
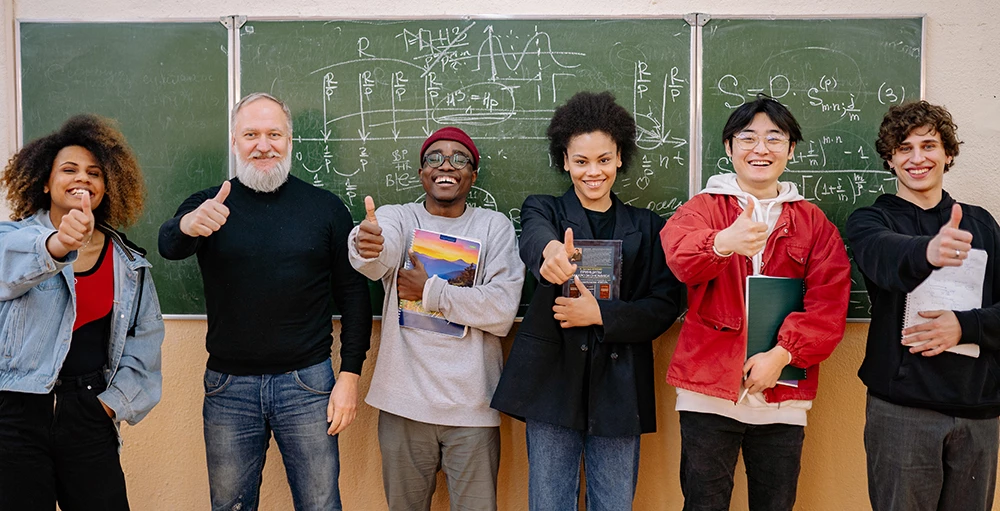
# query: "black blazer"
544,377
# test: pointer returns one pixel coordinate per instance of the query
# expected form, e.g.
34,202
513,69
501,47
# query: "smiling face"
919,163
75,171
758,169
262,145
592,160
446,187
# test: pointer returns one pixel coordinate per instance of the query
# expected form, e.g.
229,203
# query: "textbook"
599,266
954,288
769,300
452,258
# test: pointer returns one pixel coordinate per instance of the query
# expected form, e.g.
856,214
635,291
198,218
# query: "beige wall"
164,457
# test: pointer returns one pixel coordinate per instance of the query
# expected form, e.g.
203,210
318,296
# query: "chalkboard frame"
695,20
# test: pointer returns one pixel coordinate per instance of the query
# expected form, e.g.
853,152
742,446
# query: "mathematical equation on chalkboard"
385,87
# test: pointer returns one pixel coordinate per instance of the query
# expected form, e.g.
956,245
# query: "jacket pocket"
722,323
11,329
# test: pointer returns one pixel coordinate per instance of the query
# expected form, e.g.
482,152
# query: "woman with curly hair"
80,324
580,372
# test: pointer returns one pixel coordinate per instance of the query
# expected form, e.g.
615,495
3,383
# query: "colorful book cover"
599,266
452,258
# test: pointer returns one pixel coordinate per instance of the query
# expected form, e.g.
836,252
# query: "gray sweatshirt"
430,377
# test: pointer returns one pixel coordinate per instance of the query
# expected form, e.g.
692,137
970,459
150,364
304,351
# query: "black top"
889,240
88,349
269,274
595,379
602,223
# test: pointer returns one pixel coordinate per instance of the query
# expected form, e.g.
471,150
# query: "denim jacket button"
583,347
614,356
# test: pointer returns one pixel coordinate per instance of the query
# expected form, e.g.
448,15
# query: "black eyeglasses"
458,160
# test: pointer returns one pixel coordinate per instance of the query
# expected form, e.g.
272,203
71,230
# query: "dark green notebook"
769,301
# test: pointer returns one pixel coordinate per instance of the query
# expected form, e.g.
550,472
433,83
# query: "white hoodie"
753,409
766,210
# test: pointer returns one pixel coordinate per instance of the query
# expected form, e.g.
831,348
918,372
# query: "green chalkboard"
838,77
365,95
166,84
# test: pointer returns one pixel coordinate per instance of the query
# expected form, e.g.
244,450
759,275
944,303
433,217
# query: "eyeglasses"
748,141
458,160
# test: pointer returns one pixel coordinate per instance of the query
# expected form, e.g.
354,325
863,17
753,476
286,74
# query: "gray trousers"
413,452
922,460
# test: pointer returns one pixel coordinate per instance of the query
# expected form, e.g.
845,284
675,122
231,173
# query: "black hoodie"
889,240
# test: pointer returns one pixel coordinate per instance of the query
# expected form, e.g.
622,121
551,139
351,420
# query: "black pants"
710,445
60,447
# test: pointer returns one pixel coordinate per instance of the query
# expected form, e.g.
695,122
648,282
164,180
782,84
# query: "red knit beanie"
456,135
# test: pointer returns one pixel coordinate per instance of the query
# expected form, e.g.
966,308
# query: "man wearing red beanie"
434,379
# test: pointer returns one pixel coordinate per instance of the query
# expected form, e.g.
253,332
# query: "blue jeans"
611,464
240,414
710,445
922,460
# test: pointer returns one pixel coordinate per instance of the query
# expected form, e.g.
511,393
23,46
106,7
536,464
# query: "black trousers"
710,446
60,447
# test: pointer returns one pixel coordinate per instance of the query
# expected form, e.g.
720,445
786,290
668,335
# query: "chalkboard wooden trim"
473,17
694,172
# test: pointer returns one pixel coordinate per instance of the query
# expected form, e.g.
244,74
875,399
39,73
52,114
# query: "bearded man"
269,247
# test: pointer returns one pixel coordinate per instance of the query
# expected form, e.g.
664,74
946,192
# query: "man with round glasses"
749,223
433,390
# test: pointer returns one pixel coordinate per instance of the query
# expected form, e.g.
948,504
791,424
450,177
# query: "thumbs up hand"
556,259
209,217
75,229
744,236
951,245
369,240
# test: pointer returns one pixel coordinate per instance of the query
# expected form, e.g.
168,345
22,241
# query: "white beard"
263,181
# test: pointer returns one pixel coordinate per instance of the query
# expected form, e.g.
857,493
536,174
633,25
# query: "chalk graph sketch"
366,94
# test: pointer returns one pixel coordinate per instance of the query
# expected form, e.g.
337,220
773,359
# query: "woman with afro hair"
580,372
80,324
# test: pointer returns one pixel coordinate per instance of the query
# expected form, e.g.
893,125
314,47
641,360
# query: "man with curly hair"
270,247
931,430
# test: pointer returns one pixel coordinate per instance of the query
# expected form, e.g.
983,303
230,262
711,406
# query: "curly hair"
29,169
587,112
901,121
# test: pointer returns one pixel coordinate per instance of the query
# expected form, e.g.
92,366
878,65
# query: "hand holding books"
557,259
744,236
761,371
580,311
410,281
370,241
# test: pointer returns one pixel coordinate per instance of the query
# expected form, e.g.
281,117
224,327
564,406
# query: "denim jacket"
38,308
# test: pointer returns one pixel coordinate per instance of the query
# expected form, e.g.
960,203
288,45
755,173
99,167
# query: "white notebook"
955,288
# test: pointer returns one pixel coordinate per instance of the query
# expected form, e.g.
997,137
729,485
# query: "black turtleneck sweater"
270,273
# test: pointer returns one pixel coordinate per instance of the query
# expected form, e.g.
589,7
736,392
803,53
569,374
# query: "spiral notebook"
452,258
955,288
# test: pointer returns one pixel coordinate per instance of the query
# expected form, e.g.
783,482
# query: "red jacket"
711,348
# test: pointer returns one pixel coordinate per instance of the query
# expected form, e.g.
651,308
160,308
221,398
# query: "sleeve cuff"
433,289
969,322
